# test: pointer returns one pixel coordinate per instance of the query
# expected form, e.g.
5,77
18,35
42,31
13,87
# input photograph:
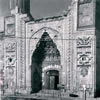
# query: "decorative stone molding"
22,71
51,67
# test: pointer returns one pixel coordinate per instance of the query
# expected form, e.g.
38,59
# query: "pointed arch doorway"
45,54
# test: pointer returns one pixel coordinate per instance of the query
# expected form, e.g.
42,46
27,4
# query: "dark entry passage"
52,79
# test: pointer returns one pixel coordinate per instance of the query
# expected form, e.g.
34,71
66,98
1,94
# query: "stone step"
53,93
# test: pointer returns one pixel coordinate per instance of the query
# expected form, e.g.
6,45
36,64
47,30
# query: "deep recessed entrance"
45,54
52,79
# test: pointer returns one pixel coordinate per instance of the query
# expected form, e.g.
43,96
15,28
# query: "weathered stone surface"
69,48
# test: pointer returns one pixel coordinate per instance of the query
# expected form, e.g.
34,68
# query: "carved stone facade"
47,53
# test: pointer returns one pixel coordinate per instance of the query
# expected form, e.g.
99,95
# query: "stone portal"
46,54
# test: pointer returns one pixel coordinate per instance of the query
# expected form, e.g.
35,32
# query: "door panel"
52,79
56,82
52,82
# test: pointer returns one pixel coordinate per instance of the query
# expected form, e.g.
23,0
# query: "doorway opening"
52,79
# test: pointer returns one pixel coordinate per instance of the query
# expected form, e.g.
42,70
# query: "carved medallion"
84,59
84,71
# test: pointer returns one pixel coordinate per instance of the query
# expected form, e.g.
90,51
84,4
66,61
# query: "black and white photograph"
49,49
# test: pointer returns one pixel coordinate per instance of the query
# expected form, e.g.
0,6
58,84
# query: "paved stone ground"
34,97
52,98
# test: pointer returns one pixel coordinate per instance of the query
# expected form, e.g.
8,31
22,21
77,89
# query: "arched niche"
46,53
